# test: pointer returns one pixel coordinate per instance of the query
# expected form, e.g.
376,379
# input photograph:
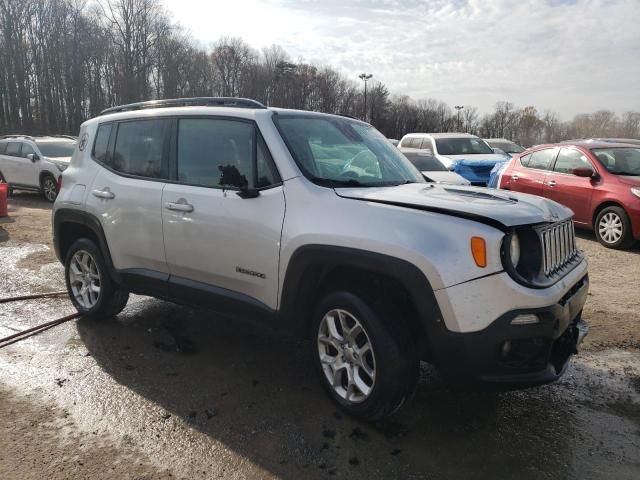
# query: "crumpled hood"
494,157
450,178
494,207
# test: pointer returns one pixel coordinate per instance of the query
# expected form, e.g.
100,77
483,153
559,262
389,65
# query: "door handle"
515,177
179,206
551,183
104,193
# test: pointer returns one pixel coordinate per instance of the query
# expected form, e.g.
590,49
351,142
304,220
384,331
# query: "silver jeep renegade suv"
321,227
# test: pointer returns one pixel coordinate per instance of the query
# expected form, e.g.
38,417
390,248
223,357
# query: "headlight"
61,166
636,191
514,250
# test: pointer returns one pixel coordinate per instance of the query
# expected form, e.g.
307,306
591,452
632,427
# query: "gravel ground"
171,392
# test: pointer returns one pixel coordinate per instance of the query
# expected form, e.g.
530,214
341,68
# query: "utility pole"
365,77
458,108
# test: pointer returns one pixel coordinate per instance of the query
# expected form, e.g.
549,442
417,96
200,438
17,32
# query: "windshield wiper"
328,182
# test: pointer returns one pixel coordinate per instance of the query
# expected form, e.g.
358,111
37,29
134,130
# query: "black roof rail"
188,102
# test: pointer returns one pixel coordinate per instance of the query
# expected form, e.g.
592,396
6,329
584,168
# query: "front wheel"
613,228
90,287
49,188
365,355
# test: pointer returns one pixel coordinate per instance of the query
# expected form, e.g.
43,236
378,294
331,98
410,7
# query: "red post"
4,190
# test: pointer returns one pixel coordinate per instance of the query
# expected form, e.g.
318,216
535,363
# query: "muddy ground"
166,391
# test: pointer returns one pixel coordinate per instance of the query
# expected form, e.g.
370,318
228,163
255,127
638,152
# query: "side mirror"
583,172
33,157
246,192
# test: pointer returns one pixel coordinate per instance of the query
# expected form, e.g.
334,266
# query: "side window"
542,159
13,149
139,149
101,143
26,150
214,152
525,160
568,159
3,148
266,170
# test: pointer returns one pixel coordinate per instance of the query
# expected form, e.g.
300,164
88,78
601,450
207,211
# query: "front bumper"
515,356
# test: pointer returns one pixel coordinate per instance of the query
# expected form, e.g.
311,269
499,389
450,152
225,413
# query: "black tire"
49,187
625,241
396,358
112,299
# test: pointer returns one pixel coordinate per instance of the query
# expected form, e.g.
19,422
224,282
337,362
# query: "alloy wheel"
346,356
49,186
84,279
611,228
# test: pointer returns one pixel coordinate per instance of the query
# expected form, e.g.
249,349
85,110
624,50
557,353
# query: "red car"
600,182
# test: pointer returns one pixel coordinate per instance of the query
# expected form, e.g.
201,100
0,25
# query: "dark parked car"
432,169
599,181
507,146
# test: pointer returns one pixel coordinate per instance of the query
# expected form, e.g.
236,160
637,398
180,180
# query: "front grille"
558,247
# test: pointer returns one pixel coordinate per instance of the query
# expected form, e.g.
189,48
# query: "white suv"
35,163
318,225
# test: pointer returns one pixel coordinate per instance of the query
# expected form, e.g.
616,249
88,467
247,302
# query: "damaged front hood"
495,207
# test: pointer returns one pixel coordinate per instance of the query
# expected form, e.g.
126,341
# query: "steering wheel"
347,166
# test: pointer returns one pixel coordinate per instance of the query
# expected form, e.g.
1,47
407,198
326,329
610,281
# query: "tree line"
64,61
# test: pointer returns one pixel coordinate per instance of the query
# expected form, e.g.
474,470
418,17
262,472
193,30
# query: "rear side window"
215,152
542,159
3,147
101,143
13,149
139,149
568,159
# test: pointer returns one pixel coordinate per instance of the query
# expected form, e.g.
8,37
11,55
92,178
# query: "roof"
585,144
506,140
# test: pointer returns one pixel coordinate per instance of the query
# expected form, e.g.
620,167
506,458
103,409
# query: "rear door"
126,194
565,188
213,236
530,177
12,163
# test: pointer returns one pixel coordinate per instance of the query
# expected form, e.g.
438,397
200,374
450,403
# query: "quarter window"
101,144
542,159
139,149
215,153
525,160
3,147
568,159
13,149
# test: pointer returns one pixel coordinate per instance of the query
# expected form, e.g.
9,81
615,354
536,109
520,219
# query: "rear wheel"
90,287
49,188
365,355
613,228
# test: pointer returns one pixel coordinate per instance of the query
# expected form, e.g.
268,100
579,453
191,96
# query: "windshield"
507,147
56,149
619,161
338,152
425,162
462,146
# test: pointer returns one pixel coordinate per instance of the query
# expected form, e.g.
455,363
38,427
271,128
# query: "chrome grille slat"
559,246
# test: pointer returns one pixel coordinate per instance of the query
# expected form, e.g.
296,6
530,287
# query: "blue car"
478,172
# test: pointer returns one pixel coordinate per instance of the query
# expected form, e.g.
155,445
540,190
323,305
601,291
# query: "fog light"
526,319
506,349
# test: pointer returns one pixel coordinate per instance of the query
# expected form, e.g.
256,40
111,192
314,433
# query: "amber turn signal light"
479,251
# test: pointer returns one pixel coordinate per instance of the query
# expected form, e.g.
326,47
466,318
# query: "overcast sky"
571,56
